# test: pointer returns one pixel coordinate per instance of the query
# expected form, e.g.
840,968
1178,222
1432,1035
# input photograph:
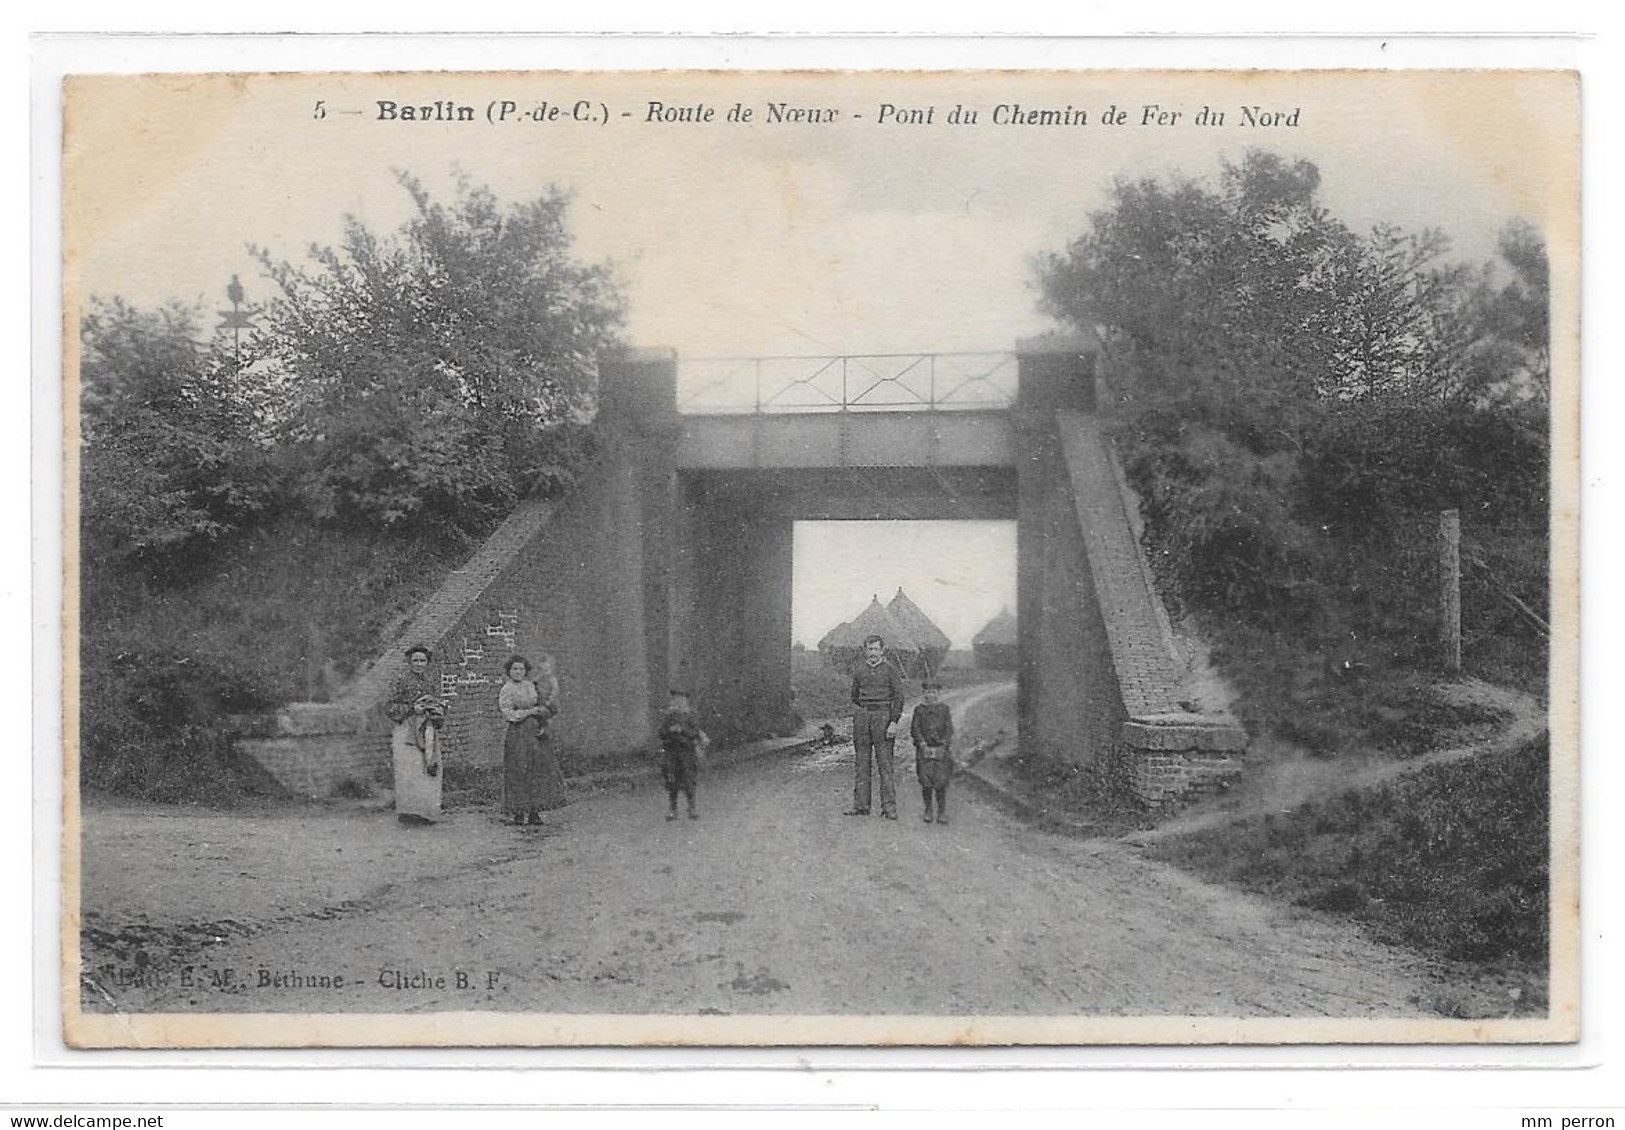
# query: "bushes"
1299,401
817,690
171,463
149,726
1218,518
1314,572
436,376
253,525
285,613
1308,694
1451,859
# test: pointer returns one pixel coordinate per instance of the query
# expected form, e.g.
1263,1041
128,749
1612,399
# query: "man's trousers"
869,740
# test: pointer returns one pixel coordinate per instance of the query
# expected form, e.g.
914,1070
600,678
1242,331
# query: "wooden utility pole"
1450,590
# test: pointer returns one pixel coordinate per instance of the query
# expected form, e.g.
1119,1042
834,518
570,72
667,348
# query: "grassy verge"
285,614
1451,860
1073,793
1330,708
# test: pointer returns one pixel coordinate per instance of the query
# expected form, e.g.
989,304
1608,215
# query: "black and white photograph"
863,558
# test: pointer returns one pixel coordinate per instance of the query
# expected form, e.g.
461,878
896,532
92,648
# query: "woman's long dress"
531,777
417,791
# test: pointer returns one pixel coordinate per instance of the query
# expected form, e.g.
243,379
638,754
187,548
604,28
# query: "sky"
756,238
959,573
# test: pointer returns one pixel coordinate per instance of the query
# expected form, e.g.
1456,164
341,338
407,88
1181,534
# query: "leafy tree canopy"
418,383
1299,400
1251,288
432,378
170,439
253,523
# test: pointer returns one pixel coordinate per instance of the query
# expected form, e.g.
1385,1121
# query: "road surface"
771,903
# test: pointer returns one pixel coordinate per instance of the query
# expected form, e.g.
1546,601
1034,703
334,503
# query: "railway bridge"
671,563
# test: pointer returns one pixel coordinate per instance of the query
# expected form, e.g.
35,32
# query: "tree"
1252,290
171,459
1507,315
1200,290
433,378
1299,399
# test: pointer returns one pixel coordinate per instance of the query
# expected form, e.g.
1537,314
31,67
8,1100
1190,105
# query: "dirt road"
773,902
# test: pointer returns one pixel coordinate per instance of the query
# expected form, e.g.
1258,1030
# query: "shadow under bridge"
762,443
733,567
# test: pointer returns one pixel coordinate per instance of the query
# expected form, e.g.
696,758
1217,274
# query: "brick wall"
1136,729
570,588
320,764
1160,780
582,580
1175,758
1149,672
447,610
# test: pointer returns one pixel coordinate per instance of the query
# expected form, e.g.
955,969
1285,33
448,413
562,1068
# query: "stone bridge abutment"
671,565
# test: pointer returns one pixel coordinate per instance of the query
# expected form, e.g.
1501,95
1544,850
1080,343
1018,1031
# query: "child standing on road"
681,742
933,730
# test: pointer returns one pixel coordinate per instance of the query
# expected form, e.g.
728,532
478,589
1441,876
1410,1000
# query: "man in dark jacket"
877,704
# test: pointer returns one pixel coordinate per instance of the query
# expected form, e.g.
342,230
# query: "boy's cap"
678,691
931,685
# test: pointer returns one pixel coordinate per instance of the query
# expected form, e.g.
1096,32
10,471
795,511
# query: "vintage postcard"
820,558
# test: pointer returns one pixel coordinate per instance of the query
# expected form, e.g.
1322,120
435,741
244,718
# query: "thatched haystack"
842,646
996,644
932,641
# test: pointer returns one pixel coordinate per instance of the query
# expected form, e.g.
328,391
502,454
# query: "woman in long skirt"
416,709
531,777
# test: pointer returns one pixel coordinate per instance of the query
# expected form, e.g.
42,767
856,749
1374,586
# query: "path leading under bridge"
771,903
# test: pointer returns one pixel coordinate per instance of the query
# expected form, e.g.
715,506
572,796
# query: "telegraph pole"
1450,590
237,319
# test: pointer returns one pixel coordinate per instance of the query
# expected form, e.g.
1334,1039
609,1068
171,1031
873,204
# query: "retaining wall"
1143,740
581,580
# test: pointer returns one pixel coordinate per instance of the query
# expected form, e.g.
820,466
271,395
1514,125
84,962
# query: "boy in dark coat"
933,730
681,741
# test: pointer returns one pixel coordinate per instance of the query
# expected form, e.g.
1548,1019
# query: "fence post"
1450,590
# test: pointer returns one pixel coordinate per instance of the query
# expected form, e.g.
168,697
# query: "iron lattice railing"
867,382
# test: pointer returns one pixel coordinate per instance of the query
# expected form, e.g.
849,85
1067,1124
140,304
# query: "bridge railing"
867,382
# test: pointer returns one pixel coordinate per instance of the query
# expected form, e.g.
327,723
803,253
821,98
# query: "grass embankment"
1331,709
1310,569
285,614
1451,860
